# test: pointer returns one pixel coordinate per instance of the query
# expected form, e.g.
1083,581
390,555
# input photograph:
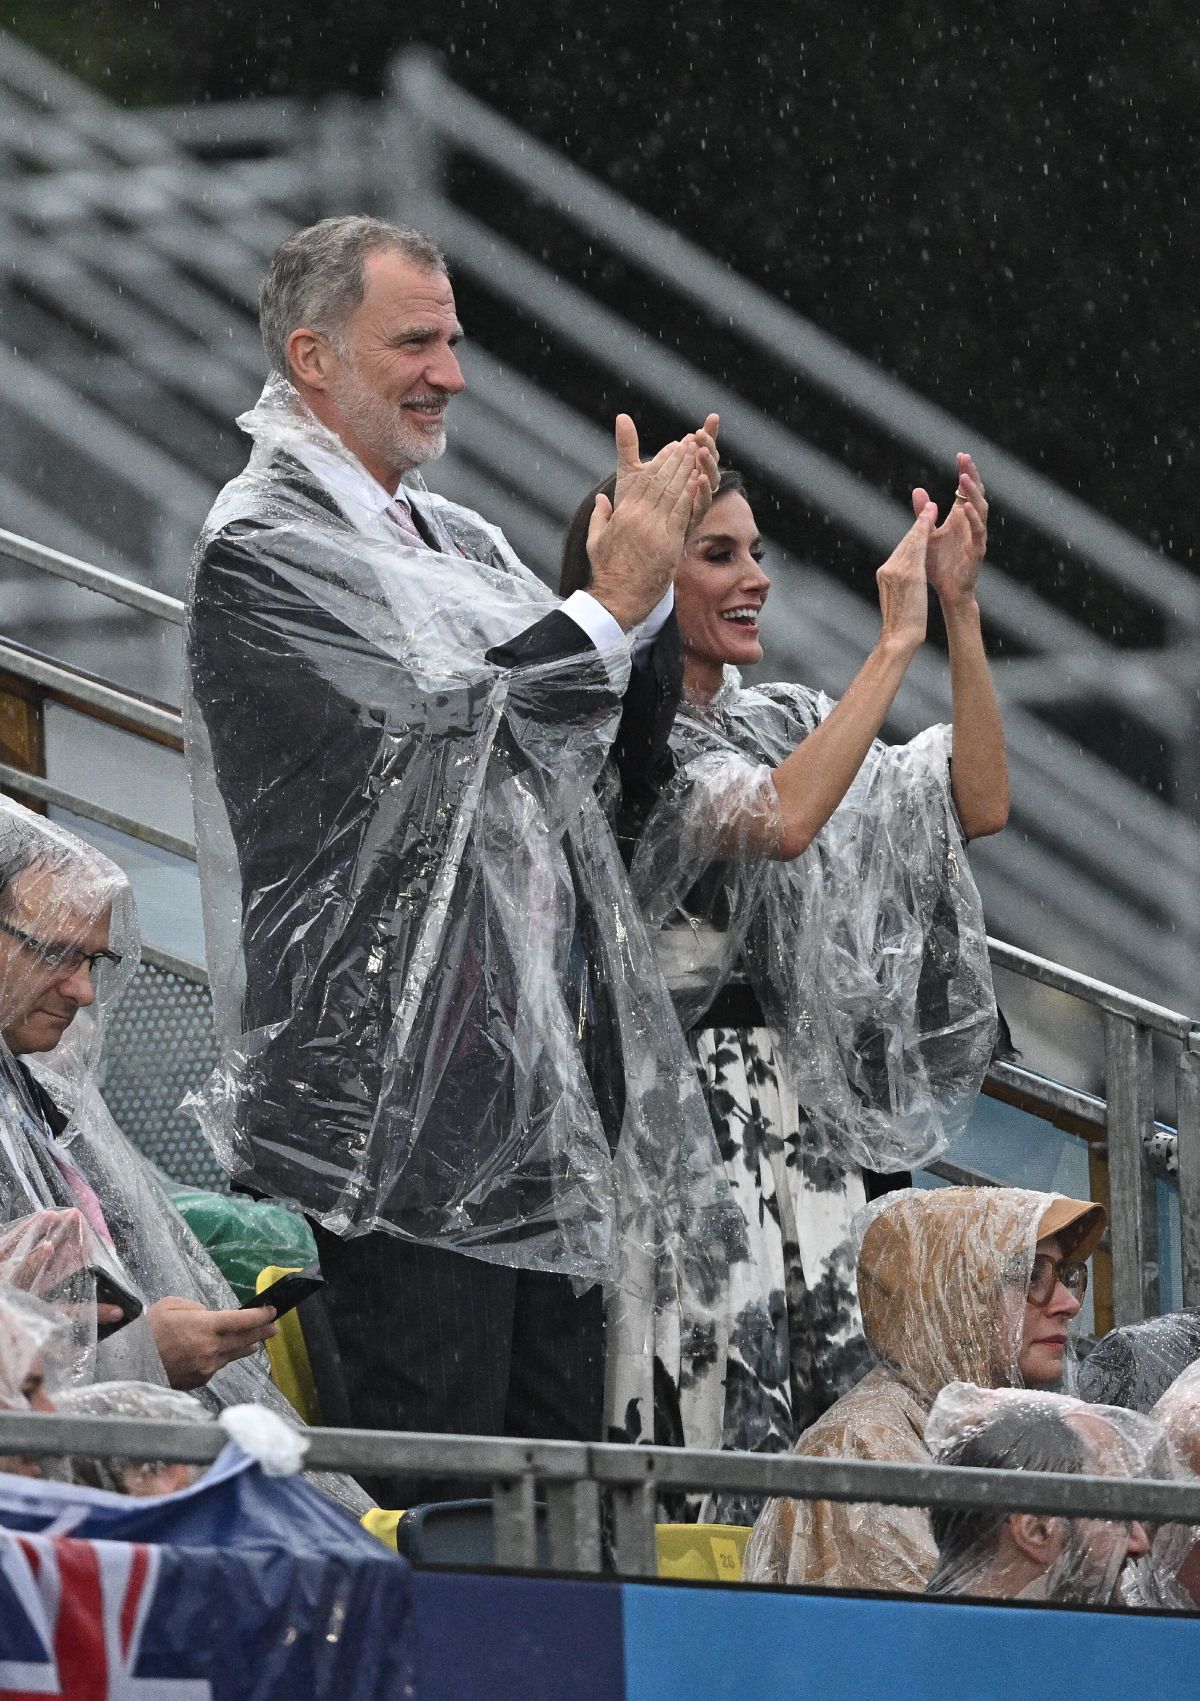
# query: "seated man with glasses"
69,946
56,916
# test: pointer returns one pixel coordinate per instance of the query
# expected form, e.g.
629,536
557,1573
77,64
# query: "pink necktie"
400,514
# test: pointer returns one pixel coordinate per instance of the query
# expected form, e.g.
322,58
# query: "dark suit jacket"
297,743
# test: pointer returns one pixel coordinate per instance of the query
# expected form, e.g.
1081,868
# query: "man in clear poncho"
956,1284
1030,1556
87,1223
442,1030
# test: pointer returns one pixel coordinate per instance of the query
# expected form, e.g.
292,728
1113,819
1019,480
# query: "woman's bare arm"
979,767
813,780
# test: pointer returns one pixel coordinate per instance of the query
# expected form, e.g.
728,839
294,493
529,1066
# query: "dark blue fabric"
256,1586
502,1638
232,1505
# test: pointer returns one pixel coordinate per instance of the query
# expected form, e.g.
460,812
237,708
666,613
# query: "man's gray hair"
317,276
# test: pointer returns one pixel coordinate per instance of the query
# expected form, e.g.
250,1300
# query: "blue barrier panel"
512,1638
710,1644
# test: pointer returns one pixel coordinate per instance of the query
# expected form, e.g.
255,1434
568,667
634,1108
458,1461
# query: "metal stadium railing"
570,1478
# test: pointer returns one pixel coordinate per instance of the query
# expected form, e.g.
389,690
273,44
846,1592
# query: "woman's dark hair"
575,573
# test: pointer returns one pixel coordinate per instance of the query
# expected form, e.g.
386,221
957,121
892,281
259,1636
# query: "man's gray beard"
381,424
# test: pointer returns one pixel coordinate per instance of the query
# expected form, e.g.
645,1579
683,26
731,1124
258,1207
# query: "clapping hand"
630,466
958,545
635,543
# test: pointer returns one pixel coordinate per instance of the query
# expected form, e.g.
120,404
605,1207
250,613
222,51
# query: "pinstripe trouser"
437,1341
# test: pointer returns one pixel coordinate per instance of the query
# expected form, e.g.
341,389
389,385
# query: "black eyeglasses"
58,956
1048,1272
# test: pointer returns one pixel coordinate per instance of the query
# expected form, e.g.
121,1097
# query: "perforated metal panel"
160,1046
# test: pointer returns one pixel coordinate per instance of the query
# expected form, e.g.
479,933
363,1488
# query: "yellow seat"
290,1370
378,1522
710,1553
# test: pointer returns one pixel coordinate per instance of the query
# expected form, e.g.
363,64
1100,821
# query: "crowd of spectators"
454,834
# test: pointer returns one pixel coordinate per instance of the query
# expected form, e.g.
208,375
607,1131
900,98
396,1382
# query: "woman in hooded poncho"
792,847
958,1284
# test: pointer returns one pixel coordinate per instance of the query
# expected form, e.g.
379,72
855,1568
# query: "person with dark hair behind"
789,846
1135,1365
1003,1555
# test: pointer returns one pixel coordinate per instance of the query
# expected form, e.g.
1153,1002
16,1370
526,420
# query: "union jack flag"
75,1615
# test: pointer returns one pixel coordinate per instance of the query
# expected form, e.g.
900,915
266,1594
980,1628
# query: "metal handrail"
128,591
785,335
633,1476
153,294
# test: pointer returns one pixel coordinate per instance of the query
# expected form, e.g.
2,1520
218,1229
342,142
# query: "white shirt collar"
347,479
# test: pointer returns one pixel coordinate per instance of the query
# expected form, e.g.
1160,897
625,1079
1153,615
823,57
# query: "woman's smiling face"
720,589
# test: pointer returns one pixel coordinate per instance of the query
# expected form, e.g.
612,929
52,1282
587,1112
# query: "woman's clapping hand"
957,547
904,585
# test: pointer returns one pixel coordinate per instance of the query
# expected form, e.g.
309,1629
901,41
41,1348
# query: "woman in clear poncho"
998,1555
70,1181
795,848
957,1284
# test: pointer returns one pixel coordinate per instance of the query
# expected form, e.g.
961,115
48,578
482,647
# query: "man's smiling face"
397,368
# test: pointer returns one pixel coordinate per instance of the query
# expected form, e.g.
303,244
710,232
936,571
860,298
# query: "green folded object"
242,1236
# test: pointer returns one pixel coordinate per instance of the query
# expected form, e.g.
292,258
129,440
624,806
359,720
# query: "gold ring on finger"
959,497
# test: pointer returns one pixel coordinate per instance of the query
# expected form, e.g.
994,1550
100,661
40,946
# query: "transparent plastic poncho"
35,1338
1135,1365
1169,1576
996,1555
57,1256
942,1280
62,1157
868,952
142,1400
416,916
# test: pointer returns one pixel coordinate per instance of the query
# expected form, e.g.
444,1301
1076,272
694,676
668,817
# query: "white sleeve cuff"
647,631
603,628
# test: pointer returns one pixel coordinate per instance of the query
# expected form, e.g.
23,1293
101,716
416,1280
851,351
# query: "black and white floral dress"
840,1013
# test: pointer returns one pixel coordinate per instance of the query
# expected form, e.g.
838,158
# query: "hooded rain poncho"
942,1279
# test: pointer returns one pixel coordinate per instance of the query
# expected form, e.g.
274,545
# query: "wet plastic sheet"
868,952
942,1283
144,1400
1037,1557
242,1236
415,913
61,1152
238,1589
1135,1365
33,1337
1169,1576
